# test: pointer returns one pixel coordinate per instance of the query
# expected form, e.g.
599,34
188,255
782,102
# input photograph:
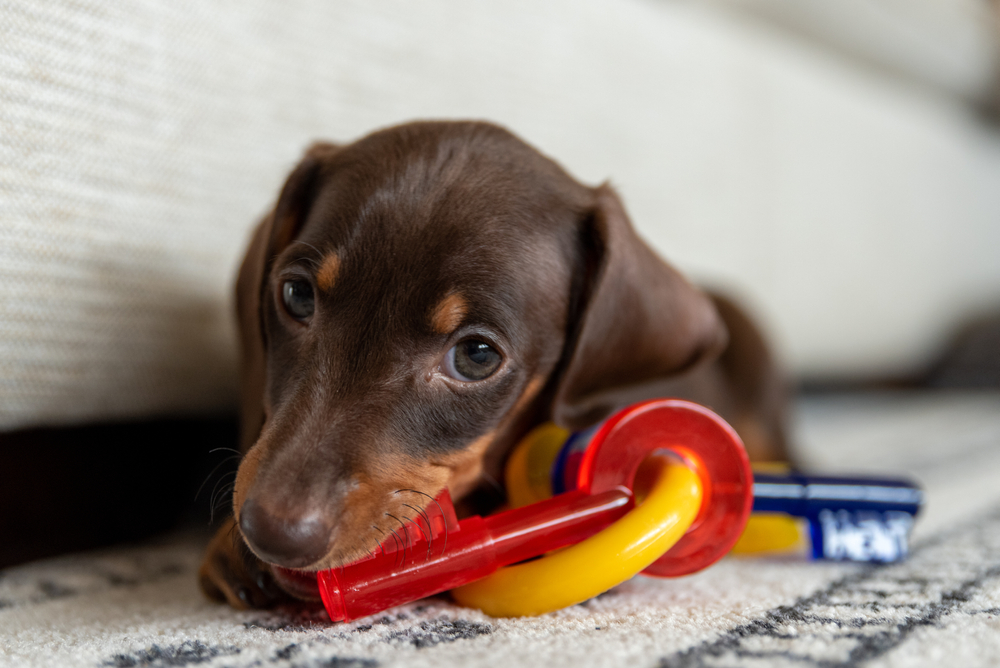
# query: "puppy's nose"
292,542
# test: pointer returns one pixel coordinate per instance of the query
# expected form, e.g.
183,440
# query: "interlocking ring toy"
663,487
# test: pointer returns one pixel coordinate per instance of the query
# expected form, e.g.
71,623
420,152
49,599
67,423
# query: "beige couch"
853,200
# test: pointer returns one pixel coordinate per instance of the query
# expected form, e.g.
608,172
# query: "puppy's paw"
231,573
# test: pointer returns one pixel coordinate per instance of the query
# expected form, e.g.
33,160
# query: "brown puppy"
413,305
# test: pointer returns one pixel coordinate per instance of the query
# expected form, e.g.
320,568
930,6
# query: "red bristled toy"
697,484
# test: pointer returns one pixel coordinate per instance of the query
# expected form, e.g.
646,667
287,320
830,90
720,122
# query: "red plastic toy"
439,553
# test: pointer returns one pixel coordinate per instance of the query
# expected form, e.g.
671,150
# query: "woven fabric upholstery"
121,218
140,139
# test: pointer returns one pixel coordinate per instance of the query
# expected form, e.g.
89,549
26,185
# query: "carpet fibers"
140,606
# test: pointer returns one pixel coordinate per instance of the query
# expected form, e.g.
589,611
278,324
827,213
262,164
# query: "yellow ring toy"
526,475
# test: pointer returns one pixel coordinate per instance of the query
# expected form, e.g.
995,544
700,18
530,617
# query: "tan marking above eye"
328,271
448,314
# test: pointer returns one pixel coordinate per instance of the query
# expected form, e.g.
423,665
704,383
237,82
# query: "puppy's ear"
297,196
272,235
637,321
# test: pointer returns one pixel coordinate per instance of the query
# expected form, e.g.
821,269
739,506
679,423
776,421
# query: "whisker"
429,535
400,549
211,514
440,509
422,514
209,476
394,537
372,551
406,536
430,528
226,449
215,487
417,524
218,499
422,533
383,537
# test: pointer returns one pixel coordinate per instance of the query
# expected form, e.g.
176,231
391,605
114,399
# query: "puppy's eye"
298,298
472,360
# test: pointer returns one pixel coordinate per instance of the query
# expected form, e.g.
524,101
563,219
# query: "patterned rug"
140,606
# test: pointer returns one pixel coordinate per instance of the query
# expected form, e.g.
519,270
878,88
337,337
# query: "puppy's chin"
300,584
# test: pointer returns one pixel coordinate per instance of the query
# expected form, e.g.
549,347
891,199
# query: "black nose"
293,542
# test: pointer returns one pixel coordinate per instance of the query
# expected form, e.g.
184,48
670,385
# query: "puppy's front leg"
230,572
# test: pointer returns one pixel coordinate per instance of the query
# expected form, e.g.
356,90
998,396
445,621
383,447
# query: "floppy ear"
271,236
638,322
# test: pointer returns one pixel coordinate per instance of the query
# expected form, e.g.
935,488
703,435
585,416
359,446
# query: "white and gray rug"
140,606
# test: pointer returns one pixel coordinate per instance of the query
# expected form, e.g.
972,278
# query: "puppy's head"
415,302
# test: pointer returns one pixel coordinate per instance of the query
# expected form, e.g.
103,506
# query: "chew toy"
663,487
684,464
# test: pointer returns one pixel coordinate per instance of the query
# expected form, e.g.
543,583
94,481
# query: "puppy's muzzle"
292,541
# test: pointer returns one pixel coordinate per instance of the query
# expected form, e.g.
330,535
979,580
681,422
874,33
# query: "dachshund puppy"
413,305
